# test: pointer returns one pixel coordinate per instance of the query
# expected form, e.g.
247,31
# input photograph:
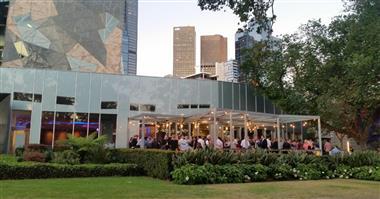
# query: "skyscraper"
71,35
213,49
245,40
227,71
183,51
129,50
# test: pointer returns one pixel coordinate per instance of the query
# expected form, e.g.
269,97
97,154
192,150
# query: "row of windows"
62,100
142,107
29,97
192,106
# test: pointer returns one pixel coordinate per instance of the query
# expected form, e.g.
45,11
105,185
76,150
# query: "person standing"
245,144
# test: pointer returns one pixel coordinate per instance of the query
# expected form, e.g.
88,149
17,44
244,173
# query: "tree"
332,71
249,11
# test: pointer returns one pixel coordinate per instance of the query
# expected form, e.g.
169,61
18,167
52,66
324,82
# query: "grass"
144,187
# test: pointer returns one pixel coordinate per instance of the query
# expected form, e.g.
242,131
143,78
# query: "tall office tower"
227,71
183,51
129,50
213,49
71,35
246,40
3,19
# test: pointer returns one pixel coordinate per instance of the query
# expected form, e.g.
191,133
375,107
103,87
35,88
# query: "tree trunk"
340,137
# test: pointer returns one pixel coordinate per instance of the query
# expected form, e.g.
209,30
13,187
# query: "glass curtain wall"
47,126
81,125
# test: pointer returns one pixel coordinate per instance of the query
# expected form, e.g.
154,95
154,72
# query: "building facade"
129,49
184,48
213,49
42,106
244,40
227,71
90,36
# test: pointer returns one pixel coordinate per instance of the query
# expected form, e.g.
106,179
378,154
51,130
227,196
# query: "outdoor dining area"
224,124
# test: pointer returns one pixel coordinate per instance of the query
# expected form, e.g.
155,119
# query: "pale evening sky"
158,17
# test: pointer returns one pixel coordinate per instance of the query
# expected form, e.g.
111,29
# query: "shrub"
203,156
193,174
281,171
343,171
363,158
257,157
34,156
90,149
66,157
39,170
307,172
255,172
37,147
208,174
19,152
156,163
366,173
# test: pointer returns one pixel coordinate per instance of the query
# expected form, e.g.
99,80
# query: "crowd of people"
185,143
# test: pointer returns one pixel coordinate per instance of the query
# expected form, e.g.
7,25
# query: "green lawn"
144,187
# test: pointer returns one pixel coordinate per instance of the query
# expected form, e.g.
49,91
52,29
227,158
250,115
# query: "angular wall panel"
78,35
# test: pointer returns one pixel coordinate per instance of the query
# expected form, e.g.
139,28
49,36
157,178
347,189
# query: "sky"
158,17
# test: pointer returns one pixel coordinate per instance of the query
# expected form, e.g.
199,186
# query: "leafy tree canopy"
328,70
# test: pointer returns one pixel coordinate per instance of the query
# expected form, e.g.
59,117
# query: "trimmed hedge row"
238,173
44,170
156,163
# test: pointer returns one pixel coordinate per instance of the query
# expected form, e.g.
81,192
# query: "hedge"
156,163
237,173
45,170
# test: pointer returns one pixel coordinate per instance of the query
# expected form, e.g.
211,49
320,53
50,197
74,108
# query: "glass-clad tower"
129,50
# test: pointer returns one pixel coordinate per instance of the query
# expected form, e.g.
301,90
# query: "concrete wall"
5,112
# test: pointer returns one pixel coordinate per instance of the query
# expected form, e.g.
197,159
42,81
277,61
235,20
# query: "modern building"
213,49
184,45
227,71
245,40
54,84
201,75
3,19
72,35
129,49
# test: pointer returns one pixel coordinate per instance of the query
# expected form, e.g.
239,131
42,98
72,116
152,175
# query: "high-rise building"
227,71
213,49
77,35
129,50
3,20
183,51
245,40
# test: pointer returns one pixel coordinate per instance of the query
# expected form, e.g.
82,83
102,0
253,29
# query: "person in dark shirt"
286,145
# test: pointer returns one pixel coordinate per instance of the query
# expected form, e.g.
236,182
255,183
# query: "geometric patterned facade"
76,35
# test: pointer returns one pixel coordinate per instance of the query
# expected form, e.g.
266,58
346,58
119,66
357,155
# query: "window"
109,105
38,98
204,105
23,96
182,106
148,108
194,106
134,107
65,100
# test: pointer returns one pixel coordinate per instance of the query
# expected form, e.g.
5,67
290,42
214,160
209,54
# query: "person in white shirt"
183,144
269,143
201,142
218,143
209,141
245,143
